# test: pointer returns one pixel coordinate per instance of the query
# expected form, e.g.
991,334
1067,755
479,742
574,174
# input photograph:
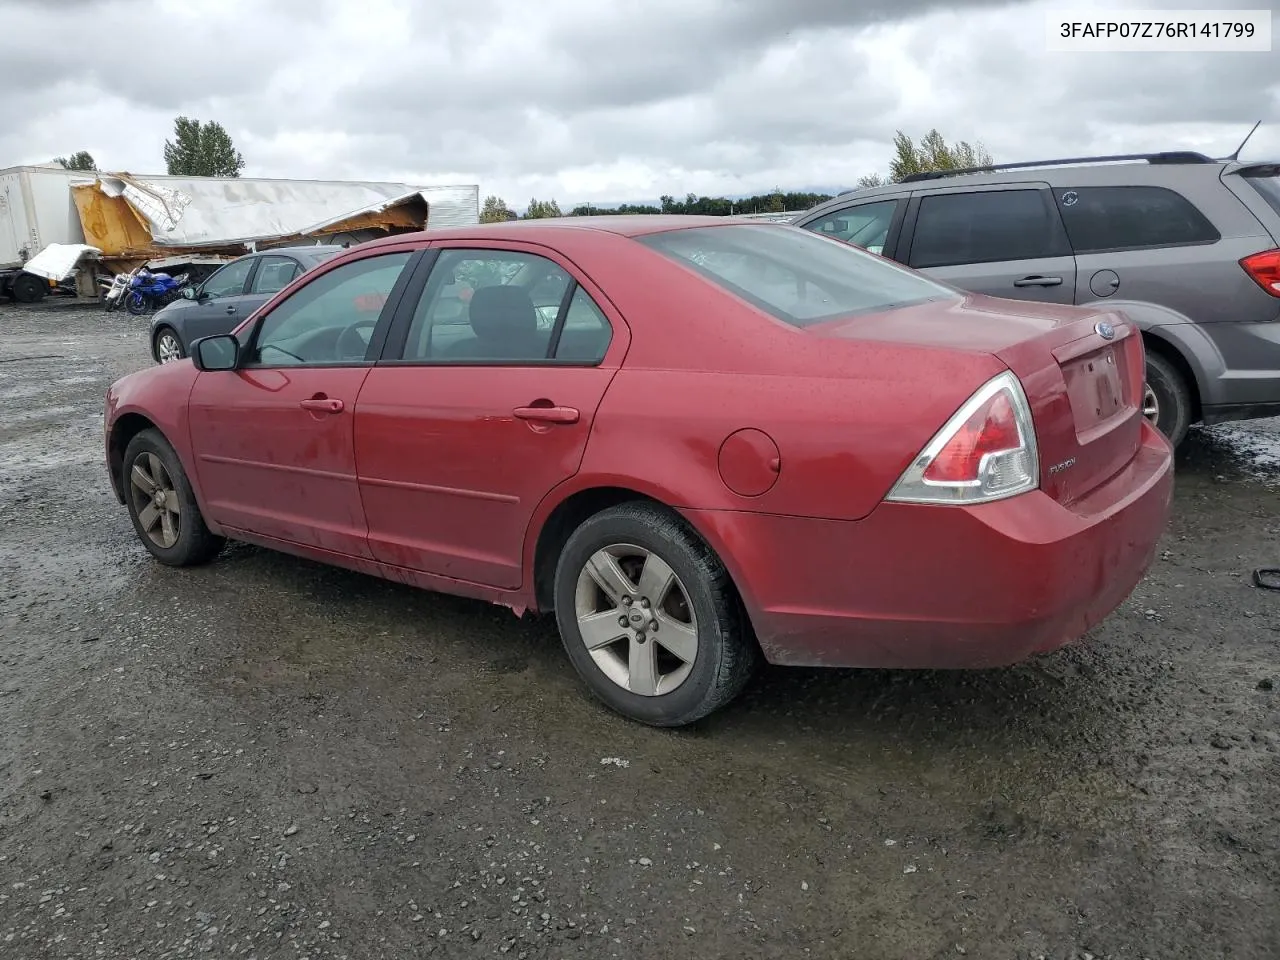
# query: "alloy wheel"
155,500
168,349
1150,404
636,620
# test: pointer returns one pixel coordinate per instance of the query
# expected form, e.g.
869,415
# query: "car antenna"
1236,156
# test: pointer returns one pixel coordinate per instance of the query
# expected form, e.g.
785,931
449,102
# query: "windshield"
1267,184
796,275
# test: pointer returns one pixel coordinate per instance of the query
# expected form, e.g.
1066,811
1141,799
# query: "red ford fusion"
698,442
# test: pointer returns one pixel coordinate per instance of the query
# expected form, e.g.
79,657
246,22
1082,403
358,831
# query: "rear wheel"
1166,399
650,618
28,288
168,346
162,504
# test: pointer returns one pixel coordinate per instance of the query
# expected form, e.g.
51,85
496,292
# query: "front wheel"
1166,399
168,346
136,304
650,618
162,504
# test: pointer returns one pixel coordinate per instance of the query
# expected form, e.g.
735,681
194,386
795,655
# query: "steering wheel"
351,344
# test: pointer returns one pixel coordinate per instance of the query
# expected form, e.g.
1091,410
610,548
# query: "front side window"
228,281
985,226
331,319
1126,218
866,225
495,305
274,274
794,274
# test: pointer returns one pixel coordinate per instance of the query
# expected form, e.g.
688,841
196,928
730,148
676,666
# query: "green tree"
776,202
874,180
201,150
81,160
495,210
932,154
541,209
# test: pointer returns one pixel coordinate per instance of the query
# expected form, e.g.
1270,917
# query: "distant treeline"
775,202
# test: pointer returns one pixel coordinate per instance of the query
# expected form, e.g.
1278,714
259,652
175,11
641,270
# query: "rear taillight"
1264,269
986,451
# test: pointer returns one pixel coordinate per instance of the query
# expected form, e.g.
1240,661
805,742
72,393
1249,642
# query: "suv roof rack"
1170,156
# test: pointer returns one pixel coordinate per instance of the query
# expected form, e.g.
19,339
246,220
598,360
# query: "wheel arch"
160,328
561,516
1154,343
123,430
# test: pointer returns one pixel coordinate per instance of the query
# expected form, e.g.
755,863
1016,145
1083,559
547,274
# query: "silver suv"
1184,244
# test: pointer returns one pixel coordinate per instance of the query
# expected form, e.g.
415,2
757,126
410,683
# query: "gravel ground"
269,758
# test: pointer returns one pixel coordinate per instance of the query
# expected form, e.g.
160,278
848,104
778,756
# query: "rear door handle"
321,405
231,309
548,414
1038,282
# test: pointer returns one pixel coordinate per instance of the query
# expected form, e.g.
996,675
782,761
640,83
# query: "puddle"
1251,446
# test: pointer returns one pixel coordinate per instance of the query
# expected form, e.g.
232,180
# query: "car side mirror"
190,293
220,352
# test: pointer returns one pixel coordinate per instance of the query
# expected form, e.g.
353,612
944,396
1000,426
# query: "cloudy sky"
602,100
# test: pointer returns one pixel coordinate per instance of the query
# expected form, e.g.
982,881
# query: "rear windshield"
1267,184
796,275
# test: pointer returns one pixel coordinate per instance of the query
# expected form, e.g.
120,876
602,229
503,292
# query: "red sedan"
697,441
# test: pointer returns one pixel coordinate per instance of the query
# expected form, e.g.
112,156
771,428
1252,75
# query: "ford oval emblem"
1105,330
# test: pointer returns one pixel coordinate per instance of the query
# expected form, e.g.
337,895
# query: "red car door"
273,439
482,404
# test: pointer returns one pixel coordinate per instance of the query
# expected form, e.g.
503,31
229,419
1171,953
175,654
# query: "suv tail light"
987,451
1264,269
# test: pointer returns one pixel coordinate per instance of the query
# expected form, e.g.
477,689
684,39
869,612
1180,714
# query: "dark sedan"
228,296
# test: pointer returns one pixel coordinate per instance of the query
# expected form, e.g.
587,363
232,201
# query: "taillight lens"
987,451
1264,269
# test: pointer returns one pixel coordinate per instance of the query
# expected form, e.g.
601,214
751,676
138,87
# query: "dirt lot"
268,758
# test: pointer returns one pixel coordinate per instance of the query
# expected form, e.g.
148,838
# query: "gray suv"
1185,245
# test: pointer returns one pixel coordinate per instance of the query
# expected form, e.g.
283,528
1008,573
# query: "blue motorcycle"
150,291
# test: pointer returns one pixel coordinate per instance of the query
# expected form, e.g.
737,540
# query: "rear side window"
1268,185
796,275
985,226
1129,218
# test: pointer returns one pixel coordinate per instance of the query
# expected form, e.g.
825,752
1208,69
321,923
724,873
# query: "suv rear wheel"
1166,401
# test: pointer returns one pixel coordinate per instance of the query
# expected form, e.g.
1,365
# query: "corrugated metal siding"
452,206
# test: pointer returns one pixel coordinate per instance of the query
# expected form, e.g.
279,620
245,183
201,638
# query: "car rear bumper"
918,586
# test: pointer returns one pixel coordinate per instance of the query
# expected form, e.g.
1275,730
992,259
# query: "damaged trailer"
61,229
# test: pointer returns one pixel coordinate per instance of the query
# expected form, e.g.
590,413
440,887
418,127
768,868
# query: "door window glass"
495,305
985,227
228,281
866,225
331,319
274,275
586,332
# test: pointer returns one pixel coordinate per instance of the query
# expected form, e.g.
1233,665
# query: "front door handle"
231,309
548,414
321,405
1038,282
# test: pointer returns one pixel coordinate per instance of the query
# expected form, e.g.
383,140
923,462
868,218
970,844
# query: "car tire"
168,343
707,654
28,288
1167,400
170,525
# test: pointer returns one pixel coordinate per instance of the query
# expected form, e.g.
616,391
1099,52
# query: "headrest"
499,312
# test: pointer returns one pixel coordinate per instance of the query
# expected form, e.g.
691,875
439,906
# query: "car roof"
310,249
1158,169
546,230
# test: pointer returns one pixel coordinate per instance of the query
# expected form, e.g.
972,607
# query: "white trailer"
36,209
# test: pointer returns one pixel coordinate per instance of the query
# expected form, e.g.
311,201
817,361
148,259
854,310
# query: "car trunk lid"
1082,371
